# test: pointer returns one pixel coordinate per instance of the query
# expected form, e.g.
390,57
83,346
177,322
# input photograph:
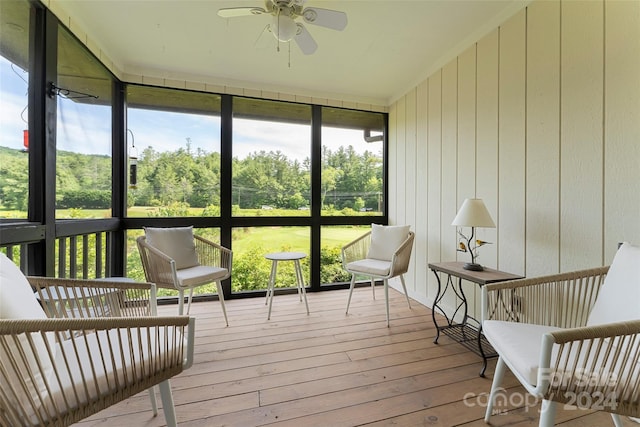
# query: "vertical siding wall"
541,119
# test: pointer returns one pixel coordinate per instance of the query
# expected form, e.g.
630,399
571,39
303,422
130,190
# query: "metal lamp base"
473,267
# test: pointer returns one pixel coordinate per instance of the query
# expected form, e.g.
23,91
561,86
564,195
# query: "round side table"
276,257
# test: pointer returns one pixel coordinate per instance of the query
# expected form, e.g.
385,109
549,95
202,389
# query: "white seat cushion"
369,266
85,361
386,239
619,297
17,301
198,275
519,344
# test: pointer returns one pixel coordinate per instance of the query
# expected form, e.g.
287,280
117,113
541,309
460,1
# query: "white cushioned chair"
177,259
570,338
382,253
64,361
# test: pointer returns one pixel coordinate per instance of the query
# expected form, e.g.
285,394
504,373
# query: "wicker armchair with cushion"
382,253
175,258
60,369
570,338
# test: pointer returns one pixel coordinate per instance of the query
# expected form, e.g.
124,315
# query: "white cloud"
250,136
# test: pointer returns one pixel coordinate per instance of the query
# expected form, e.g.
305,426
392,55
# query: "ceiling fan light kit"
283,24
283,28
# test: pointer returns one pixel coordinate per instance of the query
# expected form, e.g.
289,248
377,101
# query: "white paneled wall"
420,220
581,143
541,119
543,138
431,210
621,124
512,122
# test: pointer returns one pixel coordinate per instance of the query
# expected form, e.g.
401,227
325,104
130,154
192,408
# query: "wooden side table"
465,333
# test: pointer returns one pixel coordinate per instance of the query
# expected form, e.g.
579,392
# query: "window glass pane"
175,137
271,152
352,162
251,270
333,238
14,87
83,132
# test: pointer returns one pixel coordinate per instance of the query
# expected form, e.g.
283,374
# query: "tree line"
262,179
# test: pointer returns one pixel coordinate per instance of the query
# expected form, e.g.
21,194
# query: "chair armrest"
401,258
158,267
77,298
600,362
213,254
562,300
103,361
356,249
609,330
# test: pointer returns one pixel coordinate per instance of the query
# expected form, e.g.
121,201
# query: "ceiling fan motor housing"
292,7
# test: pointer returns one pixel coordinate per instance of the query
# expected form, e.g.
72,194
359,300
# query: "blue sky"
86,129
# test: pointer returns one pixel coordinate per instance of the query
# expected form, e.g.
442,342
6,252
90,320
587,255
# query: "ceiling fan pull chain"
278,31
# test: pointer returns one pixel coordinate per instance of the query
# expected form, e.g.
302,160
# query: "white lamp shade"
473,213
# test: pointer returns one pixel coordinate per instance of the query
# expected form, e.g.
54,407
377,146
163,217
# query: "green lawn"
274,239
250,244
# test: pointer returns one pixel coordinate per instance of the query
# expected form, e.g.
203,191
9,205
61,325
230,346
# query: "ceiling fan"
284,15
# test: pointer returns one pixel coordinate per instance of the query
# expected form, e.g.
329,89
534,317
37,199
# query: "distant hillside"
74,173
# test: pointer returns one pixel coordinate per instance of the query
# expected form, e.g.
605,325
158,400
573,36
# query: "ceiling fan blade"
233,12
325,18
305,42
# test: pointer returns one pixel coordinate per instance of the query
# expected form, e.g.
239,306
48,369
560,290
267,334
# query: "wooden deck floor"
328,369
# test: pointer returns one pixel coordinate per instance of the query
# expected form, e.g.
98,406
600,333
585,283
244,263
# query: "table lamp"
473,213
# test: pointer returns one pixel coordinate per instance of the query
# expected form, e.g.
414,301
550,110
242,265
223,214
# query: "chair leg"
353,282
221,297
154,404
498,375
386,298
189,303
547,413
617,421
180,302
167,404
373,288
404,287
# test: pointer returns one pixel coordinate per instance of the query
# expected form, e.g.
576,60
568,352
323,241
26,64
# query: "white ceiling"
387,47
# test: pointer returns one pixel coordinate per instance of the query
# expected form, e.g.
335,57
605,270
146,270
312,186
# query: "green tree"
330,178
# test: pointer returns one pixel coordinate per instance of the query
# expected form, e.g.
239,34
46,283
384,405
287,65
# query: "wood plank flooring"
328,369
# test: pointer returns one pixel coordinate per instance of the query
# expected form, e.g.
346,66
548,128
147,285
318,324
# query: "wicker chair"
208,262
58,370
570,338
382,253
